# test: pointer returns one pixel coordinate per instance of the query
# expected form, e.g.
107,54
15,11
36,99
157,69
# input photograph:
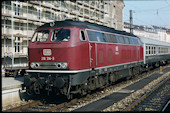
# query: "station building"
20,18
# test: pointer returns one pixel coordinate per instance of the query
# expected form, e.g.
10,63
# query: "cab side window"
82,36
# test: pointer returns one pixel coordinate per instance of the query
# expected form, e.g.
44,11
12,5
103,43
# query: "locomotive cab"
58,48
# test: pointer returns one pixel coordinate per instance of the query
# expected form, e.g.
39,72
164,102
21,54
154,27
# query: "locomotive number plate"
47,58
46,52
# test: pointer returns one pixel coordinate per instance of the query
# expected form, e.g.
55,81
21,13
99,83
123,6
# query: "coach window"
166,50
149,50
146,49
154,50
159,49
82,36
163,50
92,36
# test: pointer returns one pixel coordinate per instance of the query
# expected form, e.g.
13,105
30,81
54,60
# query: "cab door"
138,53
92,55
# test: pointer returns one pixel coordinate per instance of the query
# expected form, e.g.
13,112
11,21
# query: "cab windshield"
40,36
60,35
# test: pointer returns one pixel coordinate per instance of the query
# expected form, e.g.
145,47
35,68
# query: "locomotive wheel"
37,88
130,76
83,92
29,90
135,71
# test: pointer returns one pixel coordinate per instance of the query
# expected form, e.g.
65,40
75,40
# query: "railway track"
166,107
153,100
58,105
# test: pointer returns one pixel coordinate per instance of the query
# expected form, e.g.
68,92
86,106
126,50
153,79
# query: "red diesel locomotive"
70,57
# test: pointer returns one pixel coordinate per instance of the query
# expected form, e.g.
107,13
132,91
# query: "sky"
148,12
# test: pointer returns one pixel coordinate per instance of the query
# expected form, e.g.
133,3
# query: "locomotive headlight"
64,65
32,65
37,64
61,65
58,65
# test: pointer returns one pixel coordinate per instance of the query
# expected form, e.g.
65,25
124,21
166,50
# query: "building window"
38,14
17,9
18,45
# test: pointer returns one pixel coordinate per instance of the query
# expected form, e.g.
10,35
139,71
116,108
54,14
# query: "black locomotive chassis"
59,83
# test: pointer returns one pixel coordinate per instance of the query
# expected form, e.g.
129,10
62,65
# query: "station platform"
10,87
11,82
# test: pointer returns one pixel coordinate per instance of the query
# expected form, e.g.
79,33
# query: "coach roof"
150,41
88,25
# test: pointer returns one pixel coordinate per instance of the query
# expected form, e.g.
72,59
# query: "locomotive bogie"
41,81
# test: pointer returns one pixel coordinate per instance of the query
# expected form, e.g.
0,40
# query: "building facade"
154,32
20,19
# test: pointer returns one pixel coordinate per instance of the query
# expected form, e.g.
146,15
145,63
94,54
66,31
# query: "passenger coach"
155,52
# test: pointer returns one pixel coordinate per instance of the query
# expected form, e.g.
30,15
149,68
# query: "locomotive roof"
88,25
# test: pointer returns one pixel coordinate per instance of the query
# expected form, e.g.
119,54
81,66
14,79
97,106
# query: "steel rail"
19,108
164,108
65,104
145,95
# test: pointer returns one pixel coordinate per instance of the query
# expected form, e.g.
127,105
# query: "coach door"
92,55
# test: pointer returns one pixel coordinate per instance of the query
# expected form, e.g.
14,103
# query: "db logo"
46,52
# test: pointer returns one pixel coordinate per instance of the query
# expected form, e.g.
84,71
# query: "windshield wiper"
57,33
